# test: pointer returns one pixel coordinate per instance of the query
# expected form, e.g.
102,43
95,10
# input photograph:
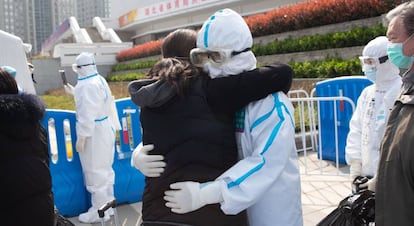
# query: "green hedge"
329,68
358,36
125,77
133,66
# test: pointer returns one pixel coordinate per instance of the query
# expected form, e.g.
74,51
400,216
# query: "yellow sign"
128,18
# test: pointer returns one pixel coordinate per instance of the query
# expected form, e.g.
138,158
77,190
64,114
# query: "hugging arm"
231,93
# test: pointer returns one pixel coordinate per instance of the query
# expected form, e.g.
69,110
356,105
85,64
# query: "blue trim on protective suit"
208,27
98,119
289,114
278,106
89,76
206,31
101,119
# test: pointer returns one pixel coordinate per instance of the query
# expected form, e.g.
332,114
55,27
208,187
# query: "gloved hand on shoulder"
69,88
80,143
189,196
149,165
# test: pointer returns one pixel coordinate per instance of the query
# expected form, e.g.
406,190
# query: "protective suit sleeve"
229,94
87,99
353,141
68,89
113,114
272,143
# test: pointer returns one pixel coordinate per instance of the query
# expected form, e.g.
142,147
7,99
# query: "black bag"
355,210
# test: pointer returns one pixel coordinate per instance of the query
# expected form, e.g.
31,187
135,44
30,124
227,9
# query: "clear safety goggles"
199,57
76,67
372,62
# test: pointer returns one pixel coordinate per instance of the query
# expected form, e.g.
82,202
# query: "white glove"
80,143
372,183
355,169
69,88
369,185
189,196
149,165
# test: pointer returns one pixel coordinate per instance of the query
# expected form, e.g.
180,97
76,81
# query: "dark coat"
196,134
27,184
394,198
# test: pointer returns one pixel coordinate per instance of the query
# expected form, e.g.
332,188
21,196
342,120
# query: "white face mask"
371,74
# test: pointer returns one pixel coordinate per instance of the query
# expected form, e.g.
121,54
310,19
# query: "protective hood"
150,92
226,29
386,71
85,65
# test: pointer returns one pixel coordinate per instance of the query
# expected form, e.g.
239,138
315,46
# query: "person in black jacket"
189,118
27,184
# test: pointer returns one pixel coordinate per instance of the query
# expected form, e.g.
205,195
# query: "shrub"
316,13
329,68
291,17
125,77
134,66
356,37
151,48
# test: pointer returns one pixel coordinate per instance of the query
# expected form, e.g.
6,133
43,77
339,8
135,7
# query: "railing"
72,198
309,136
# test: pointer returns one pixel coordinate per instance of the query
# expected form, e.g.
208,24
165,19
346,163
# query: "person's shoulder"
24,106
136,85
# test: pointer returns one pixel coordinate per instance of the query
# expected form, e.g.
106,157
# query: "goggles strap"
383,59
79,66
234,53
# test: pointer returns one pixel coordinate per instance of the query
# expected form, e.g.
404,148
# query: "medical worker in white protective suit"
266,180
370,117
95,131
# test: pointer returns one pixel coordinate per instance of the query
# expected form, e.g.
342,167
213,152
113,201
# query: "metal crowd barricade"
308,138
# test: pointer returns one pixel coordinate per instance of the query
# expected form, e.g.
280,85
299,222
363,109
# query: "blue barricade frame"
70,194
348,86
129,182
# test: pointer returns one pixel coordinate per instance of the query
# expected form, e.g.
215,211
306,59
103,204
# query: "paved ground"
323,186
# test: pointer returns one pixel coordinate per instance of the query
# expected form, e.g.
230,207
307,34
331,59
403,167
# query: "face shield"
199,56
371,63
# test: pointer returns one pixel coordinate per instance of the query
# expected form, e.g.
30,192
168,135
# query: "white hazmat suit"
266,181
370,117
95,132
